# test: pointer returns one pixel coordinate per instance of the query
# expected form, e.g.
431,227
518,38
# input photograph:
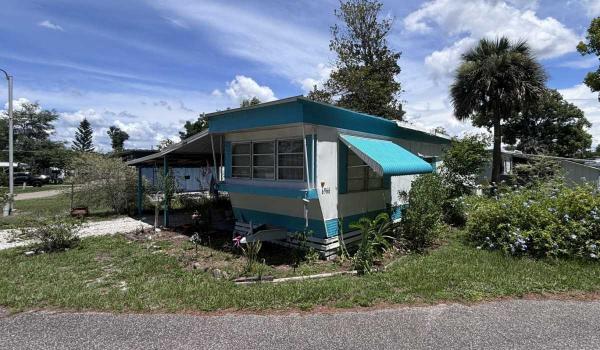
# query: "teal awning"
386,157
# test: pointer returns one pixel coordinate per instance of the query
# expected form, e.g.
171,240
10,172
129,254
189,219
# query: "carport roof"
196,146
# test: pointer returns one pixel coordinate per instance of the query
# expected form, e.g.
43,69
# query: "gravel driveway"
515,324
94,228
36,195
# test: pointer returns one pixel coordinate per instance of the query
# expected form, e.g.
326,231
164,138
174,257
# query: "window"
270,160
240,160
290,159
263,160
360,176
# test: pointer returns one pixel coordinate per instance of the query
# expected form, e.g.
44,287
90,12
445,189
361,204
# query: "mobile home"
296,165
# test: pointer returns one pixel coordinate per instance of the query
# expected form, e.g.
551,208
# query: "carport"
202,149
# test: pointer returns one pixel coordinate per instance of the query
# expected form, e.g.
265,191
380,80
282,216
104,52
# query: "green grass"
55,205
92,277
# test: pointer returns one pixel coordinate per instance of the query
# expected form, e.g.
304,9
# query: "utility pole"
11,189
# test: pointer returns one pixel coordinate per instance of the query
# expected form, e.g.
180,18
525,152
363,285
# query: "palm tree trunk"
497,154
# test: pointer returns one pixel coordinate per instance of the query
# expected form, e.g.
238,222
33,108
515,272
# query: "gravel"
95,228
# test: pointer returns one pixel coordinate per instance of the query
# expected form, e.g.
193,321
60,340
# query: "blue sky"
147,66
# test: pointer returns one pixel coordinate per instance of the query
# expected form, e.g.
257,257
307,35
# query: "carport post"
140,192
166,204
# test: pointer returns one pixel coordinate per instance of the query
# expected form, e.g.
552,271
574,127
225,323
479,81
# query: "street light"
9,78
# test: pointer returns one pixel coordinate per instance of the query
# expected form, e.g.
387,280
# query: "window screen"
360,176
290,159
240,160
263,163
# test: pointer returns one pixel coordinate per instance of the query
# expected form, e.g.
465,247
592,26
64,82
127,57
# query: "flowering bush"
543,220
52,233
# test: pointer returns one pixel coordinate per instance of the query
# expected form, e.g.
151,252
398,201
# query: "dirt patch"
216,255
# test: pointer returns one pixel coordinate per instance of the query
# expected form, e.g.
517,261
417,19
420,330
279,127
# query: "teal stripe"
269,191
290,223
307,111
227,151
332,227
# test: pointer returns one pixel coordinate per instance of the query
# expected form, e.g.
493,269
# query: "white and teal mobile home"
297,165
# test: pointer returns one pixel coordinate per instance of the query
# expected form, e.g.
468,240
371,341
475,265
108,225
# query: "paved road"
519,324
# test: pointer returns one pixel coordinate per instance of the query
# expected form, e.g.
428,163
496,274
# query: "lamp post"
9,78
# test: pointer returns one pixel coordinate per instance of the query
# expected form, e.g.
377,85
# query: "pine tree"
83,137
364,78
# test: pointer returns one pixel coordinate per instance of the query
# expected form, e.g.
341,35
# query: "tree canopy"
248,102
463,162
551,126
592,47
495,81
164,143
366,68
33,127
193,127
84,137
117,138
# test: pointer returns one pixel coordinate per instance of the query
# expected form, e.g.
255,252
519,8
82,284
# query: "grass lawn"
117,274
55,205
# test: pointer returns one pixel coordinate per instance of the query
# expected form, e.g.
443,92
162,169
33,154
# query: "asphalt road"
519,324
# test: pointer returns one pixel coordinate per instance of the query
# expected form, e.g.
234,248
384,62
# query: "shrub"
104,182
548,219
251,252
53,233
4,197
424,212
536,170
3,178
463,163
376,236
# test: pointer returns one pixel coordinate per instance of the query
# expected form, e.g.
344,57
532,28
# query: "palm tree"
496,79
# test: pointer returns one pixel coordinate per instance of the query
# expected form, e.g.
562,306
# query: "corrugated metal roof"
386,157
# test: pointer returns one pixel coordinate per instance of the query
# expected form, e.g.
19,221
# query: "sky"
147,66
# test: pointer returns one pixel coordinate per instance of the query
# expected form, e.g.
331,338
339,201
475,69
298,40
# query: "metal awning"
198,144
386,157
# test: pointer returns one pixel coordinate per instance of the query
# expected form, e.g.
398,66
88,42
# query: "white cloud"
142,133
50,25
322,74
142,111
441,64
592,7
17,104
427,104
581,96
475,19
243,87
287,49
